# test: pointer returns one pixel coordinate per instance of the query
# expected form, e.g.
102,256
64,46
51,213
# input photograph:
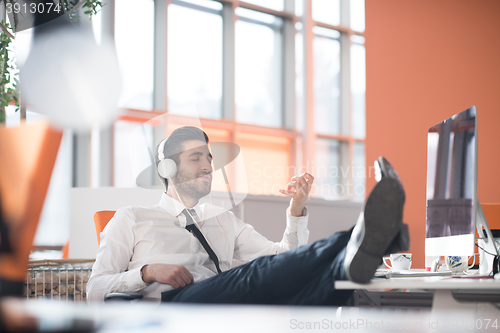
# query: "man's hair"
173,146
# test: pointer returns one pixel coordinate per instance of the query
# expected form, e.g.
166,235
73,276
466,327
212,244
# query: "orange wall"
427,60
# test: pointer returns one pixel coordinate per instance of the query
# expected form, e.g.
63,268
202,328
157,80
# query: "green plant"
70,6
9,78
93,6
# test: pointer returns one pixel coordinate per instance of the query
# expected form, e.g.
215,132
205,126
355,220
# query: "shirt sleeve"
109,273
250,244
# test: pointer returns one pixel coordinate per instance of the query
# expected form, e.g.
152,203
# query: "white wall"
265,213
85,202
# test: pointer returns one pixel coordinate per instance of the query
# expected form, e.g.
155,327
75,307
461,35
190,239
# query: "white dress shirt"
137,236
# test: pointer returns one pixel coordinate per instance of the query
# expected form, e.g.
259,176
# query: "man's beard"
193,188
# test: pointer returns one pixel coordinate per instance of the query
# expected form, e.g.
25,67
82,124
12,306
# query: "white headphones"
167,168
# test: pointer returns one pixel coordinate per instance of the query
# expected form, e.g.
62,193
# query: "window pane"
206,3
131,154
134,38
299,7
300,119
194,61
326,85
326,11
266,163
273,4
358,88
95,160
258,74
327,172
96,26
357,10
359,171
53,227
13,117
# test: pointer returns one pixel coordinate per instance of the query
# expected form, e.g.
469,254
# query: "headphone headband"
161,149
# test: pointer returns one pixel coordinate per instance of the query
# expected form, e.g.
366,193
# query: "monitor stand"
486,243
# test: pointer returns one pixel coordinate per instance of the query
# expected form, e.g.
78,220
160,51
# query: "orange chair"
65,251
101,219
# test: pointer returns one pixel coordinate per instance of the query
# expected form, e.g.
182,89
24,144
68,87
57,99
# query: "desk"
480,294
146,318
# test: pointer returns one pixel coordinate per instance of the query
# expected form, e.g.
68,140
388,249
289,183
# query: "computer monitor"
453,210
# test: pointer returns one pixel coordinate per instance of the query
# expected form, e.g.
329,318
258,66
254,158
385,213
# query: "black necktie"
191,227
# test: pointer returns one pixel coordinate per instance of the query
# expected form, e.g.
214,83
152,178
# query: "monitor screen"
451,185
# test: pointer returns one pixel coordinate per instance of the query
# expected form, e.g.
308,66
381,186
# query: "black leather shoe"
402,241
377,228
387,170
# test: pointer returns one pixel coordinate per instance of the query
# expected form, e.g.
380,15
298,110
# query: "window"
285,80
132,141
258,72
300,117
357,17
326,11
266,167
358,86
327,172
134,39
326,50
53,227
194,60
339,80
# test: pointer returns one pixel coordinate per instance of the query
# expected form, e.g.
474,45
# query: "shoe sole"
383,216
388,170
403,239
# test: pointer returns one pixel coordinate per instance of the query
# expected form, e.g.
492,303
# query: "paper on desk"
409,273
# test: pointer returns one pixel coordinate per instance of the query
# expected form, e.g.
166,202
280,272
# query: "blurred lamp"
71,79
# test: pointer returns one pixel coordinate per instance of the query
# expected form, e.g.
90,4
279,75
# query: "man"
151,250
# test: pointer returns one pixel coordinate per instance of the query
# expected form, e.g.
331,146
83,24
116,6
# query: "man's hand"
175,275
298,189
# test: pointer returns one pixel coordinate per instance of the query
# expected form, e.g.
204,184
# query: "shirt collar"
174,207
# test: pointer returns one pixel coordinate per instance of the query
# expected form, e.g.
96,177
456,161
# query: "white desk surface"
182,318
434,282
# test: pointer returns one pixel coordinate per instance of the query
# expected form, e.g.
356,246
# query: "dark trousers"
302,276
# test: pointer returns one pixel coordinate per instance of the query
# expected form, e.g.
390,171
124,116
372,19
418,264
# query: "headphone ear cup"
167,168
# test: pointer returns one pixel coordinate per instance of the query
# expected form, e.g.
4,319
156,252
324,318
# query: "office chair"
101,219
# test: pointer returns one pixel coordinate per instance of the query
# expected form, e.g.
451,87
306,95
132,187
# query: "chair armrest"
122,296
